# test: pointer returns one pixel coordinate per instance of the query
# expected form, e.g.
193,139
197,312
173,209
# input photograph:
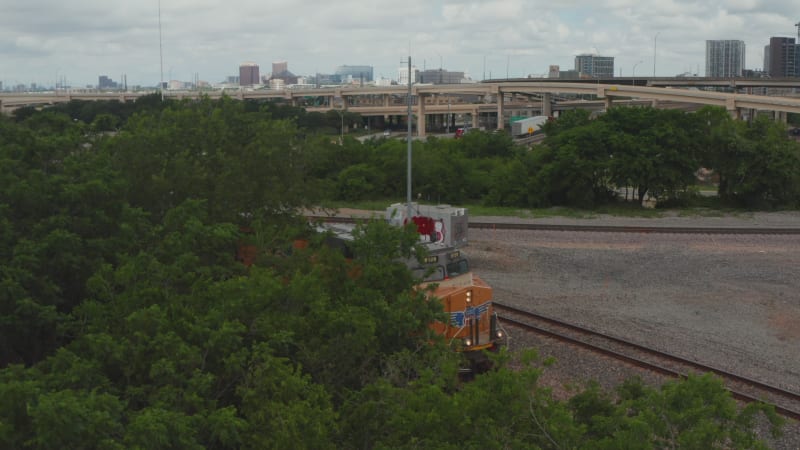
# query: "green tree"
756,164
652,150
577,171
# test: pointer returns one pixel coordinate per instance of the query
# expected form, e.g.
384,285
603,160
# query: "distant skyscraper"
554,71
440,76
280,71
279,67
766,59
402,75
595,66
782,57
248,74
357,73
724,58
103,82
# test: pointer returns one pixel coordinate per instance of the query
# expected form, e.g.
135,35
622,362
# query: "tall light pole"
634,72
160,53
440,68
655,46
408,140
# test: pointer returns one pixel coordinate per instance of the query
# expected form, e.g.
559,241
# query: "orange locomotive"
467,300
444,273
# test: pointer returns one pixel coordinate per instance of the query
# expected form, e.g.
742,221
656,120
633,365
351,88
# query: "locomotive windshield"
430,273
457,267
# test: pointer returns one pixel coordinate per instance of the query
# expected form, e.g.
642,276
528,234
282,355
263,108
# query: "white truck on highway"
528,126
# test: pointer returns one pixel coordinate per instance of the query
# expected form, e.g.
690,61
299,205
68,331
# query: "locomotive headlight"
468,342
469,296
499,334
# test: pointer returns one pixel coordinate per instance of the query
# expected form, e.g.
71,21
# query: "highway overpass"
435,102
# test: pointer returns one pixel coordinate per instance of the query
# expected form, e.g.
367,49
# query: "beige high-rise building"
248,74
279,67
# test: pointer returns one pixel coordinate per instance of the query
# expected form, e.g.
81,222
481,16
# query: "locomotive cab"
472,323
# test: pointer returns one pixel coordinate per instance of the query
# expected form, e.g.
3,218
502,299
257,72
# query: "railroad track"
595,228
787,403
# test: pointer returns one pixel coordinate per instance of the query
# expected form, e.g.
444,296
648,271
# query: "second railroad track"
495,225
786,402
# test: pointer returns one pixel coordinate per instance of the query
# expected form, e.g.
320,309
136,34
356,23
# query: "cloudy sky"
43,41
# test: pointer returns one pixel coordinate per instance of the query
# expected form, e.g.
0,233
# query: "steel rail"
646,364
595,228
631,228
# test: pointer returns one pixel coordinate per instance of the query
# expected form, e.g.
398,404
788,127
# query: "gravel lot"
725,300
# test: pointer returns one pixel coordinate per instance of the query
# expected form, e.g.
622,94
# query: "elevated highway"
437,101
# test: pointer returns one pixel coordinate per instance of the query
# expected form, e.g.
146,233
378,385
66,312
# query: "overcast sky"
43,41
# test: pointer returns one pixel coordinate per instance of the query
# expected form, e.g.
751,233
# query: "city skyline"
48,42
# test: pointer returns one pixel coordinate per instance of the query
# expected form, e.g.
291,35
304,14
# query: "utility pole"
408,140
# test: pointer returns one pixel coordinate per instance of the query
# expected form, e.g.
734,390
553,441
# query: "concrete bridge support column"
782,117
500,104
654,103
475,120
607,103
421,116
547,104
730,105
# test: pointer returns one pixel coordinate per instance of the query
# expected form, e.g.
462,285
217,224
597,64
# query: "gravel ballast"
730,301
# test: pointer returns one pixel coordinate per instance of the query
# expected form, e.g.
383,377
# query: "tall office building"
595,66
402,75
724,58
356,73
104,82
766,59
440,76
781,57
279,67
248,74
280,71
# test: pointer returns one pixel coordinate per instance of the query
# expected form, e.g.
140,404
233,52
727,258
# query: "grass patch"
707,212
699,207
369,205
